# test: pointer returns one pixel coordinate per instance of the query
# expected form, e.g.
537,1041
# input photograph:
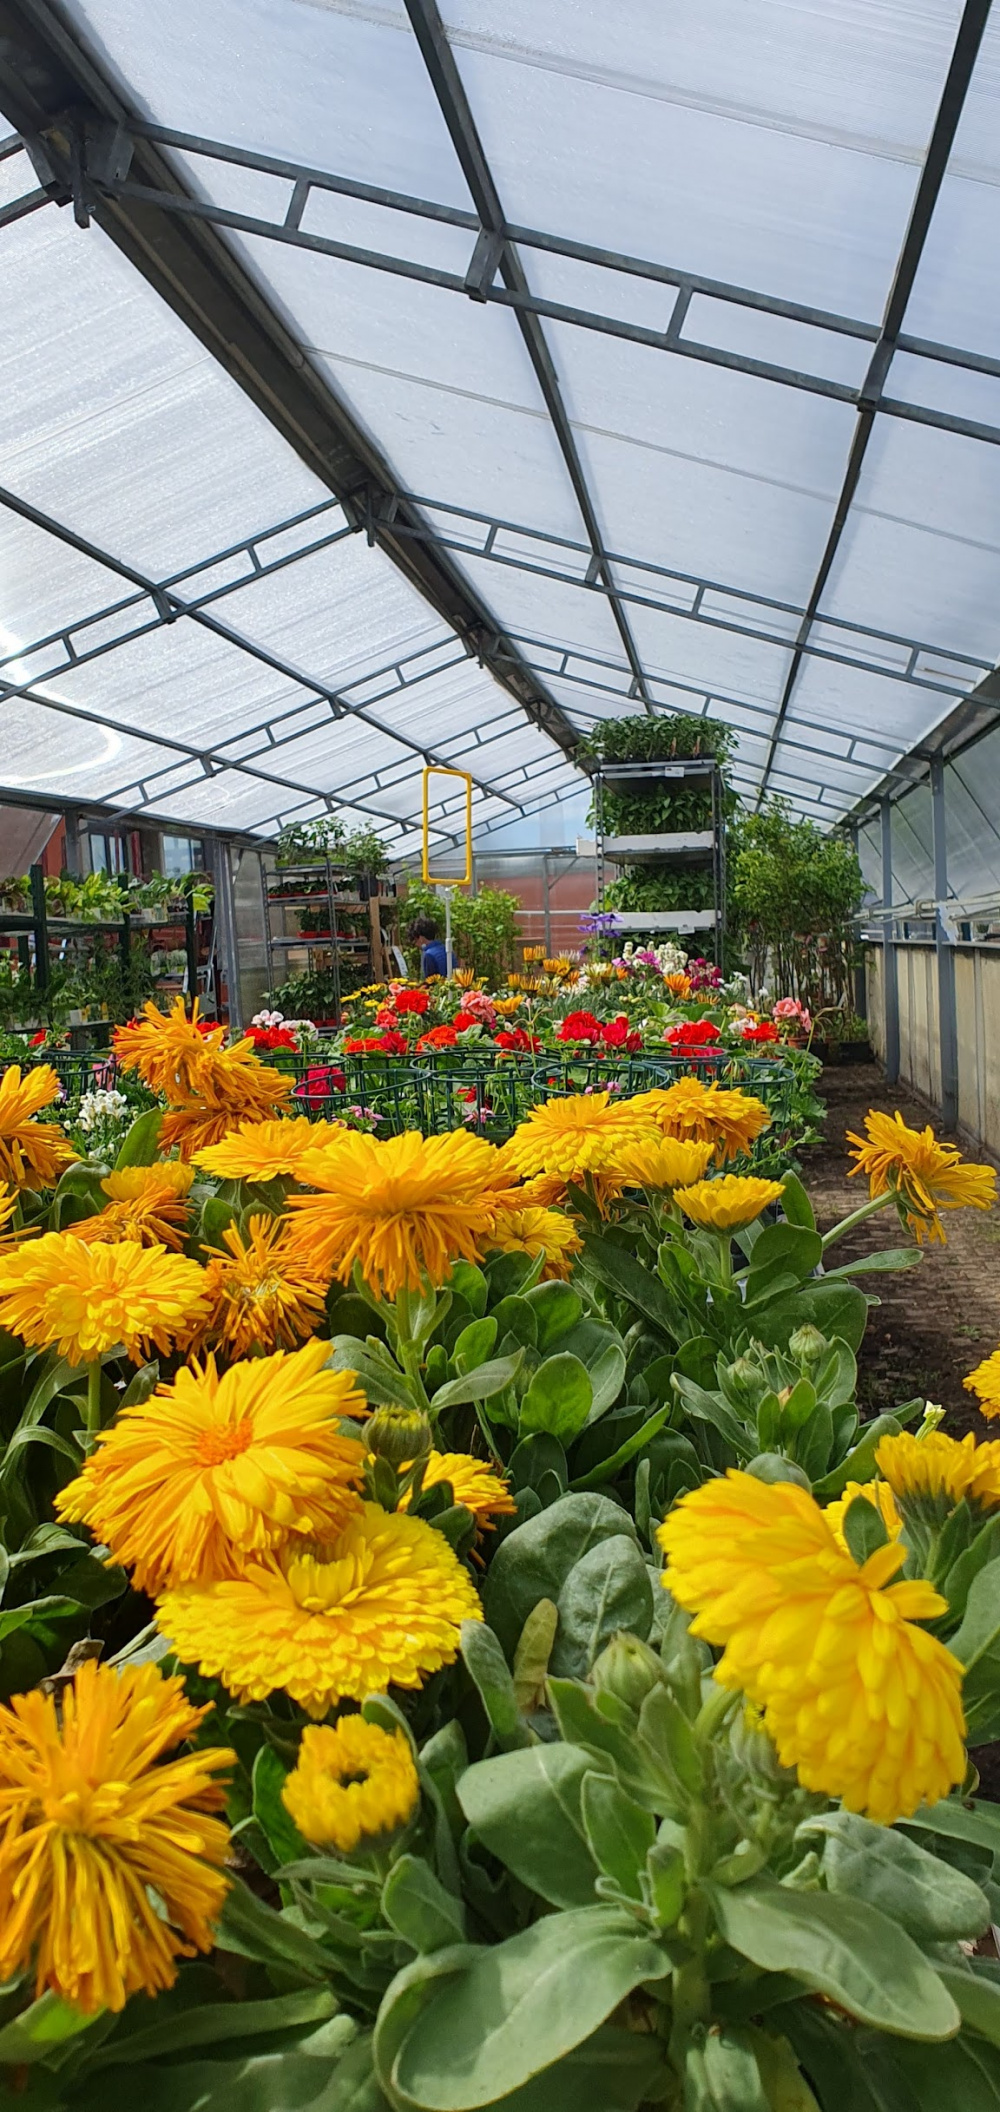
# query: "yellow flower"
667,1162
877,1493
858,1698
167,1048
352,1781
577,1136
466,979
930,1474
263,1151
267,1293
213,1469
678,985
60,1293
984,1382
207,1087
534,1230
405,1208
729,1202
507,1006
94,1829
481,1488
709,1113
147,1203
532,953
380,1605
32,1154
926,1176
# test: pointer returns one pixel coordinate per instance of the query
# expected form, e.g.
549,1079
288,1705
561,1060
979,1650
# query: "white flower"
100,1107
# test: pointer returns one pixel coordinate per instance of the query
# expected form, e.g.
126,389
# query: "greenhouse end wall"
977,1006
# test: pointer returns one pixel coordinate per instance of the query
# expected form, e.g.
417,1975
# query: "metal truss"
870,399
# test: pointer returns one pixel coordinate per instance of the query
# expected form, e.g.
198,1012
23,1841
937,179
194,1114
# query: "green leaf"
140,1146
141,1386
796,1204
522,2005
382,1383
558,1400
283,1836
620,1272
533,1562
880,1264
475,1344
488,1667
478,1385
254,1930
557,1308
607,1469
842,1948
607,1590
859,1464
416,1904
979,1634
44,2025
731,2074
615,1745
711,1408
834,1308
619,1832
531,1658
929,1899
525,1808
960,1819
471,1284
866,1533
213,2023
792,1247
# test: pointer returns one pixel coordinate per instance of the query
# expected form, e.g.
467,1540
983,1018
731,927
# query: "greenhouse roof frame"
154,189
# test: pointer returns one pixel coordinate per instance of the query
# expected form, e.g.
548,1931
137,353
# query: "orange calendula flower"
481,1487
213,1469
147,1204
266,1151
168,1048
208,1088
984,1382
267,1293
32,1154
857,1696
925,1176
729,1202
353,1781
535,1230
381,1605
728,1120
110,1856
59,1293
404,1208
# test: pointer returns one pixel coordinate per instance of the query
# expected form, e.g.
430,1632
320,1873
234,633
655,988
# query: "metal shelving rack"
334,942
670,849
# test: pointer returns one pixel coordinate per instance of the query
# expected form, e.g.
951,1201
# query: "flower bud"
400,1435
745,1383
628,1669
807,1344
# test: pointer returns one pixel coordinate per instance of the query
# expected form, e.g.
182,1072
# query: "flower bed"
459,1646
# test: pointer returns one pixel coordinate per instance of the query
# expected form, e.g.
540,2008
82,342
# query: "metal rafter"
975,16
55,93
494,253
172,605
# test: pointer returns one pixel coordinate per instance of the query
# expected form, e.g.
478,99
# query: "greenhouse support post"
547,906
225,911
890,964
860,971
947,1015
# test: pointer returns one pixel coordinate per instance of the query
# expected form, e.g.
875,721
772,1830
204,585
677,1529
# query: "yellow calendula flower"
984,1382
858,1698
878,1494
405,1208
32,1154
59,1293
715,1114
265,1151
231,1087
353,1781
213,1469
266,1292
95,1826
381,1605
481,1488
925,1175
146,1203
168,1048
535,1230
729,1202
576,1136
669,1162
930,1474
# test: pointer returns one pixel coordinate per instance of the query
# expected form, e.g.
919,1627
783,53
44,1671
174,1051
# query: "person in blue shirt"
433,958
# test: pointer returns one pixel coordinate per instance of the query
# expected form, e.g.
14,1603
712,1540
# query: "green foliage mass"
485,928
793,895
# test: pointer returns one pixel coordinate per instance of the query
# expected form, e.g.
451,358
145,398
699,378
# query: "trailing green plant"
656,737
794,895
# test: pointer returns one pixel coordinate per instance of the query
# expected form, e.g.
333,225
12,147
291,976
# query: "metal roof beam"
975,16
54,91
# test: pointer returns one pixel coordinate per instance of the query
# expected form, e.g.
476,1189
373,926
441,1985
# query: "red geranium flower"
765,1030
694,1034
438,1038
376,1045
518,1039
37,1039
579,1026
319,1083
273,1038
617,1034
410,1000
463,1020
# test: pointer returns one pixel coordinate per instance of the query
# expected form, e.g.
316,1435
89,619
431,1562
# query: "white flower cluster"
100,1108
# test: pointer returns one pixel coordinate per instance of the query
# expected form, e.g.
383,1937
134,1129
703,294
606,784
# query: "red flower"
37,1039
386,1016
765,1030
410,1000
518,1039
273,1038
580,1026
463,1020
694,1034
319,1083
376,1045
618,1035
438,1038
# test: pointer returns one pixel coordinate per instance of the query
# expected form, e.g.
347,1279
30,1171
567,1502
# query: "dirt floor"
935,1322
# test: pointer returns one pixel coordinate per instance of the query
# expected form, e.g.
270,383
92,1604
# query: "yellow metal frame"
447,879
